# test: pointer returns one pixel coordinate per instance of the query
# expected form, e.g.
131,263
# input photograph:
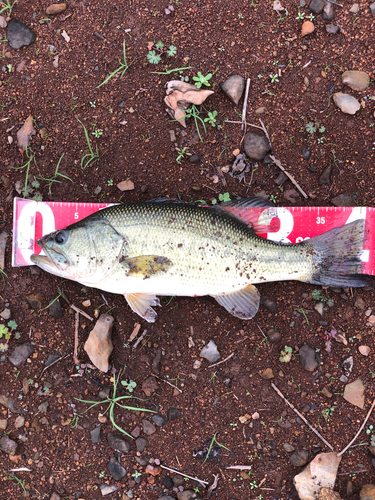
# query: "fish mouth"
53,262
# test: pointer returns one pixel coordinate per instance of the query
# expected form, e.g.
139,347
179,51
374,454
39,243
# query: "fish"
169,248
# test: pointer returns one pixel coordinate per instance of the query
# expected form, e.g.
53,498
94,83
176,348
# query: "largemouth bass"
143,250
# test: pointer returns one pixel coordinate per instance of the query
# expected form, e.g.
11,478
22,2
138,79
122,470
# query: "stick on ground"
244,108
301,416
359,431
278,164
204,483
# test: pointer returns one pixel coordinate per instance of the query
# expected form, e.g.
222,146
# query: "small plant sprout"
274,78
112,403
136,474
92,104
123,66
91,156
130,386
30,158
193,112
240,16
300,14
286,354
211,118
223,198
260,76
328,412
311,17
9,67
5,5
181,154
321,297
97,132
154,56
213,441
54,178
200,80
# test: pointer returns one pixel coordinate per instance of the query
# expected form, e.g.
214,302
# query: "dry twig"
213,485
223,360
244,107
76,340
239,467
278,164
78,310
301,416
359,431
166,381
140,339
203,483
54,362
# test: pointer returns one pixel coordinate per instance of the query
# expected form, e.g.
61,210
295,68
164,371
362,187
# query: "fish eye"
60,237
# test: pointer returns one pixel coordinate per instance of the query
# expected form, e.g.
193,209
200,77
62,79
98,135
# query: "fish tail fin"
337,256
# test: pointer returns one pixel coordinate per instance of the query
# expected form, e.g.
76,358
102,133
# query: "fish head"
84,253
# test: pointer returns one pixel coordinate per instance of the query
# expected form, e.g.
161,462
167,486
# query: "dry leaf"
320,473
340,337
307,28
364,350
24,134
126,185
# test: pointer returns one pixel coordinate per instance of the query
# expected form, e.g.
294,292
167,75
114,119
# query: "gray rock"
356,80
328,13
233,88
354,9
306,154
96,434
55,310
187,495
3,22
20,354
307,358
148,427
19,35
107,489
343,379
166,497
43,407
8,446
178,480
141,443
210,352
332,29
6,314
347,365
116,470
316,6
269,304
343,200
325,178
288,447
55,496
194,159
312,168
51,359
281,178
173,413
256,146
319,308
159,420
167,482
347,103
299,458
118,443
372,9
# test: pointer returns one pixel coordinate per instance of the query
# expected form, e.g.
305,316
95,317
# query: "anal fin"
141,304
243,304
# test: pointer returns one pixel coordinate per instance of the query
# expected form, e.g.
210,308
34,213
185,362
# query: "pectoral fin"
243,303
145,266
141,304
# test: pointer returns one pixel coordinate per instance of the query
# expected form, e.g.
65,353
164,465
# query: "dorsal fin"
251,212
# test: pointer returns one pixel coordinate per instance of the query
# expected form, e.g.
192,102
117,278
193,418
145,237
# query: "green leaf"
3,330
159,45
153,57
12,324
310,127
172,51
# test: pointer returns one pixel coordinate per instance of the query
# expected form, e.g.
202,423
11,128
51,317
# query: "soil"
250,39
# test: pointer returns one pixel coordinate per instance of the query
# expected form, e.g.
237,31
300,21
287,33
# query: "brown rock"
327,494
307,28
267,373
326,392
55,8
149,386
34,300
356,80
99,344
367,492
126,185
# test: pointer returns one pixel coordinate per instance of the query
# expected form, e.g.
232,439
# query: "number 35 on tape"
34,219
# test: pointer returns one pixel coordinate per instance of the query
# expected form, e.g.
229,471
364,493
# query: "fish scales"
142,250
